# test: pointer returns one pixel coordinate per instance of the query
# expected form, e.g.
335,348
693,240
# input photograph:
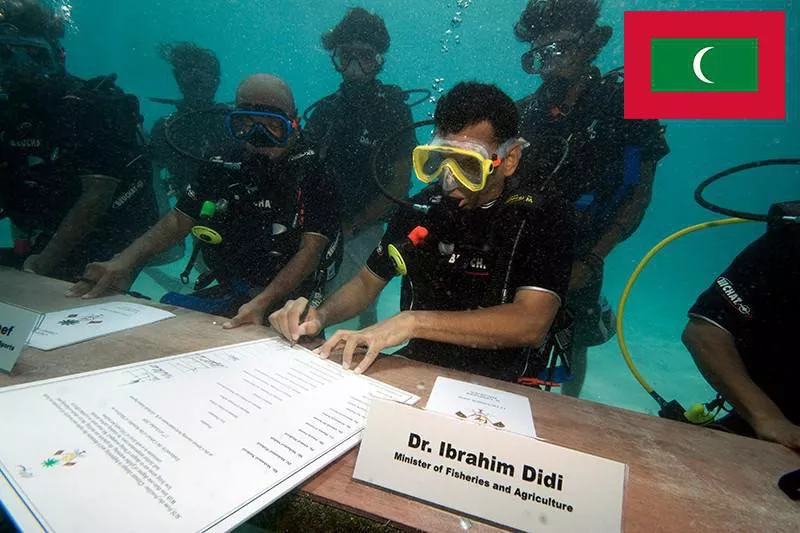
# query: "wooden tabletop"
682,478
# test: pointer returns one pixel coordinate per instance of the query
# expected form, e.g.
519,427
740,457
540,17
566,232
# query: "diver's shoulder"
528,103
304,151
610,87
104,85
304,158
527,100
536,202
392,94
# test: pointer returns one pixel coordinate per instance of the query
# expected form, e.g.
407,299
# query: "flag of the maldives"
705,64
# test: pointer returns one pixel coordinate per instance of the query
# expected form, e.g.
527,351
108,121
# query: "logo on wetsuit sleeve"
733,297
127,195
25,143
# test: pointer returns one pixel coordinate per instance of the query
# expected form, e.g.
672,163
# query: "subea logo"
733,297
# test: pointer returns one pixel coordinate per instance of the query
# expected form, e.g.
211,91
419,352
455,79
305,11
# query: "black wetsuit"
263,209
347,125
476,259
592,156
57,132
756,300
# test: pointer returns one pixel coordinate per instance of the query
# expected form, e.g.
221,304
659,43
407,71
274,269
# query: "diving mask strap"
511,143
506,147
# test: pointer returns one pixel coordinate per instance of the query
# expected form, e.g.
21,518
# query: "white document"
62,328
482,405
194,442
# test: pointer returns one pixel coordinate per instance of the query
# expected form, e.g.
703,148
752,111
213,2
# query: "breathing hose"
424,208
698,413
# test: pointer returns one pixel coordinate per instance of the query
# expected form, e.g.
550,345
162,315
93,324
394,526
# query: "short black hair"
358,25
183,55
544,16
32,17
471,102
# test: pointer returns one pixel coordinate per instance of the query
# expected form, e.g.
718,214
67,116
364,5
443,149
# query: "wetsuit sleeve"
379,262
320,203
730,302
539,249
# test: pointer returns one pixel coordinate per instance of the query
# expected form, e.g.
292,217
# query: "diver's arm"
117,273
172,227
717,358
302,264
630,213
160,190
352,298
398,187
297,318
523,322
96,196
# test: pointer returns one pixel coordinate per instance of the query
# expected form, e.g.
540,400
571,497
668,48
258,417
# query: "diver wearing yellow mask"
484,269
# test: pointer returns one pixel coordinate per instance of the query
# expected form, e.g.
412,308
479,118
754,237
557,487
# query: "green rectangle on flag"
704,65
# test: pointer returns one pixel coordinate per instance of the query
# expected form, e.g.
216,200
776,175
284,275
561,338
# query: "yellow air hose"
695,413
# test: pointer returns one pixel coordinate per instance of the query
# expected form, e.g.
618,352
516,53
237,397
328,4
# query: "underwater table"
681,478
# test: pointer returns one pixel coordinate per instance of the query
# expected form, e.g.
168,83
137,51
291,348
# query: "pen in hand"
302,318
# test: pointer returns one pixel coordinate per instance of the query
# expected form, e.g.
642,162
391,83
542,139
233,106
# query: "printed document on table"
62,328
194,442
482,405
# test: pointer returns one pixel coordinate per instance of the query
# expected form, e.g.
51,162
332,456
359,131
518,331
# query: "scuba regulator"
204,235
207,211
401,252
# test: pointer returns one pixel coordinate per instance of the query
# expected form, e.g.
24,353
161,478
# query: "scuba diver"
582,146
485,268
197,74
265,214
348,124
74,173
740,334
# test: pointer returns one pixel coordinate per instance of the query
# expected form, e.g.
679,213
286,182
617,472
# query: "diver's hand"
286,321
385,334
779,430
100,279
250,313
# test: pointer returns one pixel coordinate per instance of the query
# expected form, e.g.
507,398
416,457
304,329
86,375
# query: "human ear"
511,161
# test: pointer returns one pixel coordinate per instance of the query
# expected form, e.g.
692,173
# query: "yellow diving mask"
467,161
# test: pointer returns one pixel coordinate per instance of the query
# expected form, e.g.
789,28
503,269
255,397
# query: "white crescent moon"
697,65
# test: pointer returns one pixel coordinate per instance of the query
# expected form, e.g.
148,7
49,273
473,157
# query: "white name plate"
16,326
499,476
